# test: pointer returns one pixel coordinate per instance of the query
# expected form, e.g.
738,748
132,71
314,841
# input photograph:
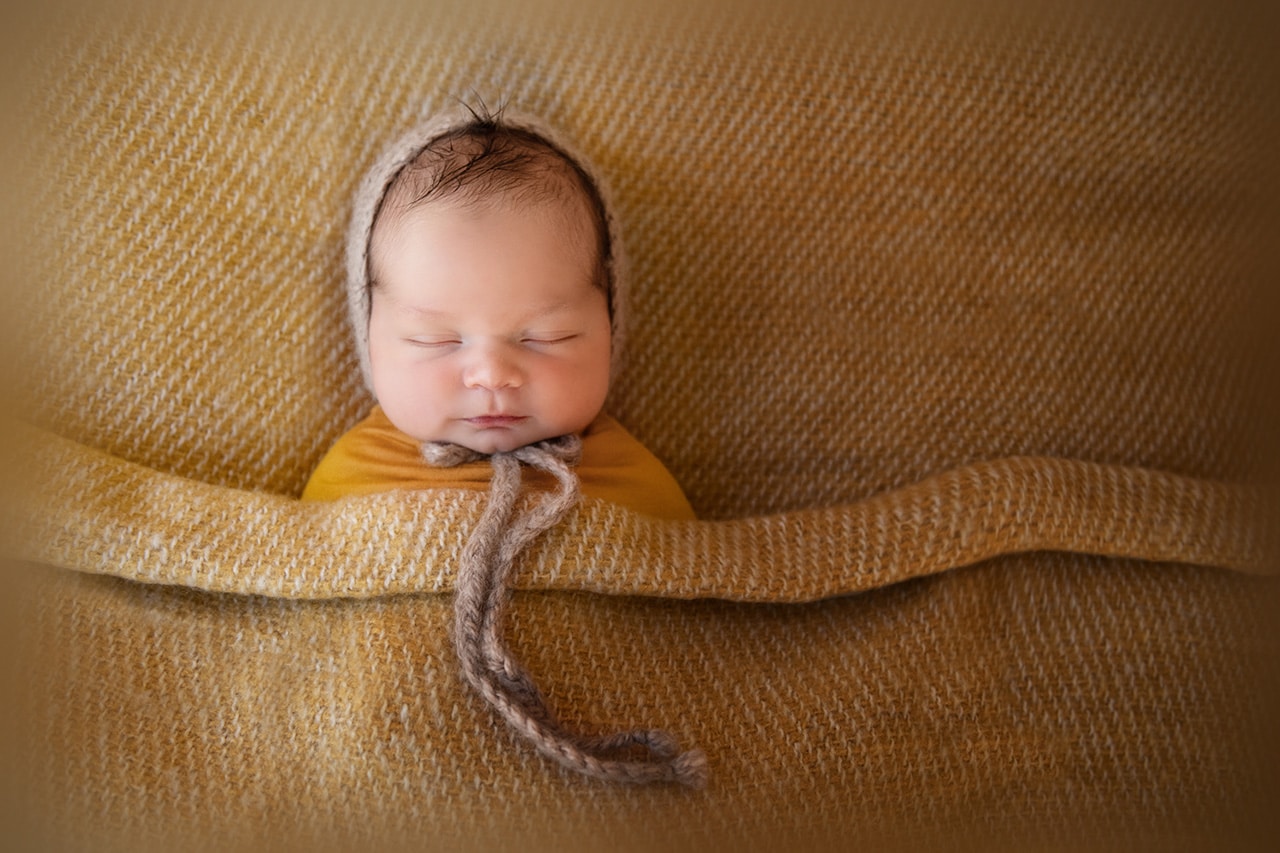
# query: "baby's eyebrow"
425,313
435,315
551,308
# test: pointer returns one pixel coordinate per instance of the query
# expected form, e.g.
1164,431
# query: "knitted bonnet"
504,529
408,146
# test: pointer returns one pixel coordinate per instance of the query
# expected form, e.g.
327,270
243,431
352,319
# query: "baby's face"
486,327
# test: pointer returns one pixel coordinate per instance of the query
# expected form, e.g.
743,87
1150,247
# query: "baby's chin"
497,446
500,437
499,441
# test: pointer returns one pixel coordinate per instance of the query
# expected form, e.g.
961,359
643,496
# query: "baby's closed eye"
434,341
548,338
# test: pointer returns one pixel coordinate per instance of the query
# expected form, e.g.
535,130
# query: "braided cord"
480,602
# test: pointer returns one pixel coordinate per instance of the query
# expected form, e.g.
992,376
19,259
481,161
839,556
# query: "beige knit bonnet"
487,561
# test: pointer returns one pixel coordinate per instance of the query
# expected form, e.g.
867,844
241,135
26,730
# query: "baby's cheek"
430,387
583,390
414,398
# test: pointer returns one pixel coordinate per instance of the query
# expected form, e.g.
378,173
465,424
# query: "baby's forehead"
502,266
572,217
445,240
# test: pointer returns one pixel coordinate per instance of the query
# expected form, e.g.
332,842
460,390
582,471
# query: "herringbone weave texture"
946,324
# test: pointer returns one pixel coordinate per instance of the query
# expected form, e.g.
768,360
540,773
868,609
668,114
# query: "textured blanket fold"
136,523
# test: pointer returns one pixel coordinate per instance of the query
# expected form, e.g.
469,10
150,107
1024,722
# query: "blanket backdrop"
951,326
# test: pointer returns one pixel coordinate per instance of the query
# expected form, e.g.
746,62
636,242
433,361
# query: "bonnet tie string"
480,601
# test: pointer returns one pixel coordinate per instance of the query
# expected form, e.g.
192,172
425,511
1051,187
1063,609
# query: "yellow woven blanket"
950,327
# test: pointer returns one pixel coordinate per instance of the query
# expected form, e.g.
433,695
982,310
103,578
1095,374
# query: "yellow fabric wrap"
374,456
951,327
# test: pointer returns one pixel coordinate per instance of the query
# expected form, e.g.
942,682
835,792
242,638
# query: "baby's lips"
496,421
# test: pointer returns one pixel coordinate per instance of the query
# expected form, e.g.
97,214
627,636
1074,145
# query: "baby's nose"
493,370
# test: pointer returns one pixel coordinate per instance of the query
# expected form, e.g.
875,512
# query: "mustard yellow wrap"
374,456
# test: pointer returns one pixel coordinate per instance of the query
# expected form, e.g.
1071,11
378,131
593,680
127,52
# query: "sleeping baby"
485,292
485,297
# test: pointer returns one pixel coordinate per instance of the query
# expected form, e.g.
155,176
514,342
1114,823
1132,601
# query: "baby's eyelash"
433,343
547,339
